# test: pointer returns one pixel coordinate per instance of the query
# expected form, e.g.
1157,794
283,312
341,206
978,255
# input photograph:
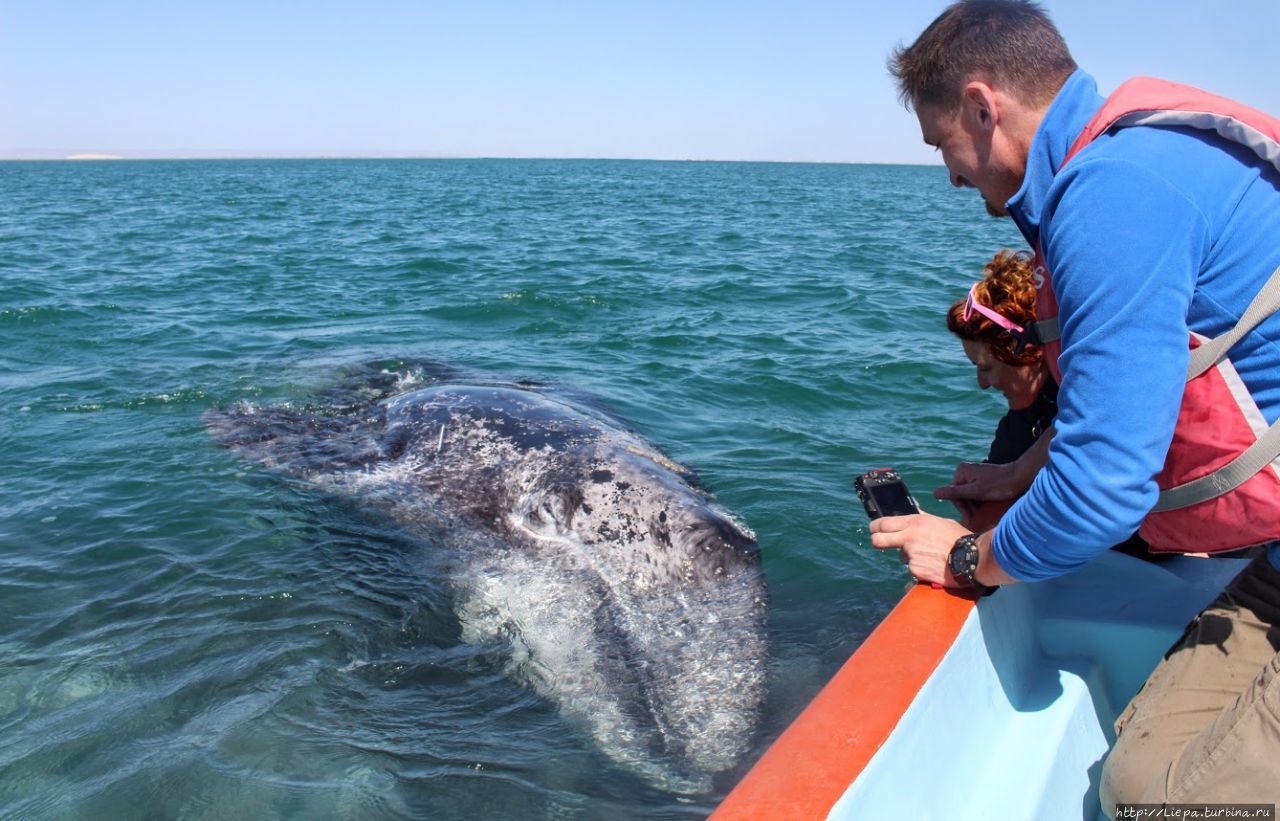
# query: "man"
1148,235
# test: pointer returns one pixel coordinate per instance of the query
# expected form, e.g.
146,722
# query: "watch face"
963,559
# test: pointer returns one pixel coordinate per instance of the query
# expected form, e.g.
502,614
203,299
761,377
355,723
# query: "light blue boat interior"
1017,719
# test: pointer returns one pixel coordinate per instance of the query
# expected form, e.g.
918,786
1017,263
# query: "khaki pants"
1205,728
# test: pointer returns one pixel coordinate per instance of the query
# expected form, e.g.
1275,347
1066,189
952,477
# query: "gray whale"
625,594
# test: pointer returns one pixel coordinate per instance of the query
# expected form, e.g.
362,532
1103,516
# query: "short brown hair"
1008,288
1010,43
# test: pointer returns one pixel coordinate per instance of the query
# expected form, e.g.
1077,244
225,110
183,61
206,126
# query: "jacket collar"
1075,104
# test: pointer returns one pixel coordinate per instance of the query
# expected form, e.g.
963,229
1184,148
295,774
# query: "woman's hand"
985,482
981,516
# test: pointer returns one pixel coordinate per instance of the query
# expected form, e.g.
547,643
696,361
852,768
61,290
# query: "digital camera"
883,493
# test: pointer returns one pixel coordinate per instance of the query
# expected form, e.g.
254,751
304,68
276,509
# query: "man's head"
1009,44
980,78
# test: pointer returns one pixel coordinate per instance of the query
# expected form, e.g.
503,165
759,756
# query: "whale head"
676,628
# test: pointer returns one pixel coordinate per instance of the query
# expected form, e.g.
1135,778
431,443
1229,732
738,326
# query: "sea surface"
183,635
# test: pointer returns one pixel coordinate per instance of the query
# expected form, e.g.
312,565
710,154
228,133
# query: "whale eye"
553,510
395,442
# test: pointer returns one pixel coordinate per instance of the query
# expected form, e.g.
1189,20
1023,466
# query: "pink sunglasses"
1014,330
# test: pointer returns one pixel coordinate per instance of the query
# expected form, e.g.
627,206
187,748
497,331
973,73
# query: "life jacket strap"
1230,127
1045,330
1226,478
1265,303
1262,452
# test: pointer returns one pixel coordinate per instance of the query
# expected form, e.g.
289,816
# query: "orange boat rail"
814,761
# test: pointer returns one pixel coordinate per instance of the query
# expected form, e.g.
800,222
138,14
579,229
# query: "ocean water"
186,636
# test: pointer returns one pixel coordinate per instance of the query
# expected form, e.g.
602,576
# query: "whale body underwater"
624,593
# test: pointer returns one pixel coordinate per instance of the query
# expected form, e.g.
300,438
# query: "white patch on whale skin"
550,628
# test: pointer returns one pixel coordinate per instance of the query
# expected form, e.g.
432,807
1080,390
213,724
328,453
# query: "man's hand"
924,540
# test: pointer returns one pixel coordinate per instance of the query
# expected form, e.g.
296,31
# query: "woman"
992,323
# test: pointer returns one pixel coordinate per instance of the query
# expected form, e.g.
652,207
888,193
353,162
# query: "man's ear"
979,102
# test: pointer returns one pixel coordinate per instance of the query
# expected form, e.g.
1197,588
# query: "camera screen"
892,499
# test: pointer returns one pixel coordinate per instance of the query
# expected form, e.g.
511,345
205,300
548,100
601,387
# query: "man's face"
968,154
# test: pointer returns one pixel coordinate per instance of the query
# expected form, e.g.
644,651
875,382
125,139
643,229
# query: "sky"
802,80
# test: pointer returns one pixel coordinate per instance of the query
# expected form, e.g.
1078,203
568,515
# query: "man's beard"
995,210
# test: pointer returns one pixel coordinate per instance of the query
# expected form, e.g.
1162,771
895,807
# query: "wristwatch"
963,560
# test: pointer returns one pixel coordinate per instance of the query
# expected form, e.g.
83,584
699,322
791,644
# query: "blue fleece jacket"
1149,233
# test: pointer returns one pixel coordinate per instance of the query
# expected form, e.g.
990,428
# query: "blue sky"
802,80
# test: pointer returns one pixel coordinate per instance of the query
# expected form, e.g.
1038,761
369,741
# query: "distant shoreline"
94,157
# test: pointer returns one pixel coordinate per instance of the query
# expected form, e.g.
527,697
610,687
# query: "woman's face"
1020,384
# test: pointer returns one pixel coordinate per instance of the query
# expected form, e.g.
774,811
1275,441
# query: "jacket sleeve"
1124,245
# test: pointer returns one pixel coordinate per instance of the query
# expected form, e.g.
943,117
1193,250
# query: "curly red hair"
1008,288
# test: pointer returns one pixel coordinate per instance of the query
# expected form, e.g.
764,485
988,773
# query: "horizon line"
196,156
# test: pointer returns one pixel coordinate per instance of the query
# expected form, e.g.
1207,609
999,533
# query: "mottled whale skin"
627,596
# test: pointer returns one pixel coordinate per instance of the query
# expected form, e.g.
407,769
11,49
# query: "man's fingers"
887,531
885,541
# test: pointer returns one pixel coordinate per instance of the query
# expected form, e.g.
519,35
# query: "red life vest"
1220,484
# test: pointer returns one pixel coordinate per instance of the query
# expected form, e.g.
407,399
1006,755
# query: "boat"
999,707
